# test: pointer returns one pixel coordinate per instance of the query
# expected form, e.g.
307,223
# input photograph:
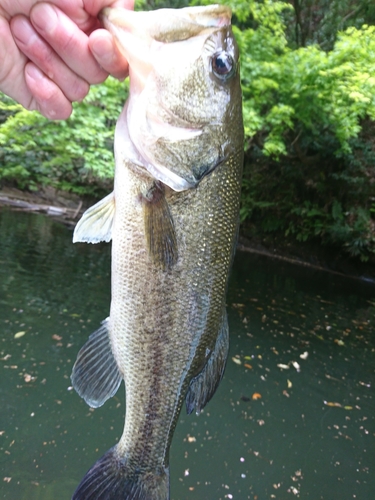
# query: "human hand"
51,53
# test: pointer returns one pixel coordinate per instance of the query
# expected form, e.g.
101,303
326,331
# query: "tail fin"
112,479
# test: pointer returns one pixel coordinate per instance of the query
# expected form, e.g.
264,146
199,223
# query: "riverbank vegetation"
308,84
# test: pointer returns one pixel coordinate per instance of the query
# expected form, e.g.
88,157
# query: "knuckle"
98,76
78,90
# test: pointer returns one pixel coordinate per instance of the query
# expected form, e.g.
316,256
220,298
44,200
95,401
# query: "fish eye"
223,65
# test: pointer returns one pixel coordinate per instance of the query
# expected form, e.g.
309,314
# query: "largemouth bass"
173,221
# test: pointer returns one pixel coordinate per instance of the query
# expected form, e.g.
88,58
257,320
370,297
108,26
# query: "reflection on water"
293,417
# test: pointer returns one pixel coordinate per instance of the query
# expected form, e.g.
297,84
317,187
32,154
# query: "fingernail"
22,31
44,18
103,50
34,73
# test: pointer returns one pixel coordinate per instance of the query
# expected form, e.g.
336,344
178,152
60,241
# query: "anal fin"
203,386
159,227
95,375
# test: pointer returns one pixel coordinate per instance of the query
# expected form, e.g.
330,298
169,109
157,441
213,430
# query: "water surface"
293,418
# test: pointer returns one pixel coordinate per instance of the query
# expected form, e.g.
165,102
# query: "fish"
173,220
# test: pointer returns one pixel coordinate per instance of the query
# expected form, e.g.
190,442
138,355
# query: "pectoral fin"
95,375
203,386
159,228
96,223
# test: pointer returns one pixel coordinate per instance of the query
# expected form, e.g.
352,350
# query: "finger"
48,98
12,81
107,54
93,7
38,51
68,41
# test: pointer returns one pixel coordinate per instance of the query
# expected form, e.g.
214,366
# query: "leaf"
296,365
283,367
333,404
18,335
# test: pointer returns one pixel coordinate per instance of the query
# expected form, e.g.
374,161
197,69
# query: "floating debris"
18,335
296,366
364,384
293,490
337,405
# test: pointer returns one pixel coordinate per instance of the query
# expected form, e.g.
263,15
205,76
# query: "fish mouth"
142,29
166,25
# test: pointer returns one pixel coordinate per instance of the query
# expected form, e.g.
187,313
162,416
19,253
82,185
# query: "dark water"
270,432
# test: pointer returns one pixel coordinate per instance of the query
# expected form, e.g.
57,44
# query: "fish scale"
173,229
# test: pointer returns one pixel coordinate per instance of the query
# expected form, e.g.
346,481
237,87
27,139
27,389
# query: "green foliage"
160,4
309,115
325,197
319,21
305,90
74,155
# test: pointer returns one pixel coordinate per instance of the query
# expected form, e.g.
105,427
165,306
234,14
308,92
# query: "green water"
269,432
